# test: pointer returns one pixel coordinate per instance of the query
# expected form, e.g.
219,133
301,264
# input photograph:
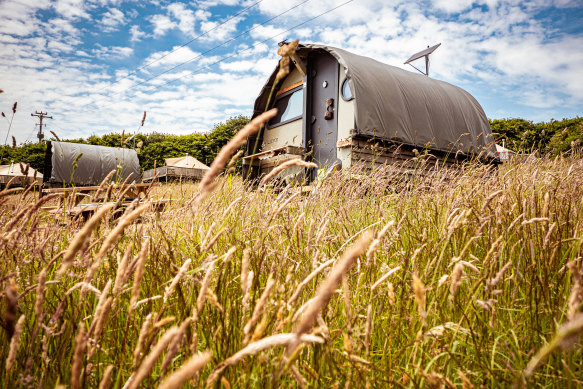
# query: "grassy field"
465,278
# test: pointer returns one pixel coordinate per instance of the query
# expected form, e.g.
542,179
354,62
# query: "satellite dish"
423,53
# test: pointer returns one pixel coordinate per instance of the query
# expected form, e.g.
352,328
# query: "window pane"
346,92
289,107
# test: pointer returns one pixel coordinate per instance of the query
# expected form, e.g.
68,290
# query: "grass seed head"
259,307
14,343
146,326
78,356
576,297
419,293
204,286
105,382
456,278
327,288
150,360
11,297
496,280
186,371
139,273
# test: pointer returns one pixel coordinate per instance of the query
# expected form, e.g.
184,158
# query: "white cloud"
360,11
61,47
214,3
214,30
539,98
162,24
19,17
176,55
60,26
112,52
71,9
112,19
257,50
133,13
136,34
184,16
267,32
237,66
178,16
553,65
453,6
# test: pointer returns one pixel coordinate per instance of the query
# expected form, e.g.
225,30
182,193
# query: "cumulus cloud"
185,17
112,19
71,9
214,3
162,24
19,17
452,6
237,66
176,55
267,32
177,16
112,52
136,34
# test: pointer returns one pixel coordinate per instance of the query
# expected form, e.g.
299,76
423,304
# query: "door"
324,99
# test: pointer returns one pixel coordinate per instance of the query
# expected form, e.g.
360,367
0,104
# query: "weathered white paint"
289,134
345,112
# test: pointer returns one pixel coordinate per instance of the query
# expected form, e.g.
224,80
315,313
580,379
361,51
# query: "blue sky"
95,66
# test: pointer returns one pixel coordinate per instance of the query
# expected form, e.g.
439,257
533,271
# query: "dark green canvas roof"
402,106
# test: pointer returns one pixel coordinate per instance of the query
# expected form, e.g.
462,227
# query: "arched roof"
82,164
402,106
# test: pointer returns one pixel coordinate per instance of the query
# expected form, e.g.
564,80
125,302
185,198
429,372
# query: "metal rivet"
325,84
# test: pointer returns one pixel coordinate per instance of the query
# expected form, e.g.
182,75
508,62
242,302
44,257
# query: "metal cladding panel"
402,106
94,164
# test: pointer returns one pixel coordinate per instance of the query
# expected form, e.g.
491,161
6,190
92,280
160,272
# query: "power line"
205,52
244,50
182,46
30,136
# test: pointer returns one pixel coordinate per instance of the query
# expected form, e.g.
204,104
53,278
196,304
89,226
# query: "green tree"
32,153
553,137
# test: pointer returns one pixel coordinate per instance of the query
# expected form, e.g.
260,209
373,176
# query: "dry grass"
467,277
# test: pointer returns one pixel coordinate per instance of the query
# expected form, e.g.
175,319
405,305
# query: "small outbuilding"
186,167
78,164
339,108
19,175
504,153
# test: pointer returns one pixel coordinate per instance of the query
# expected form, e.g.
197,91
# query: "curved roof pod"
405,107
82,165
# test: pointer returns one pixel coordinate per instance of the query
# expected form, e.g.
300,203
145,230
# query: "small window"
346,92
290,107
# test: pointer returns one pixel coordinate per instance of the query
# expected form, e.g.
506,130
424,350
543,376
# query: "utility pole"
41,115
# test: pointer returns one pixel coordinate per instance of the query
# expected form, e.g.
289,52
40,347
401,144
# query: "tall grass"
461,277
